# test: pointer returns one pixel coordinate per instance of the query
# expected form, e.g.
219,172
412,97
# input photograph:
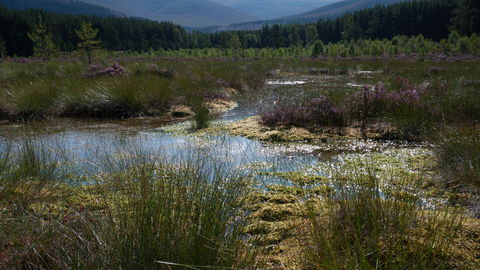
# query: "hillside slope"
60,6
193,13
270,9
330,11
341,7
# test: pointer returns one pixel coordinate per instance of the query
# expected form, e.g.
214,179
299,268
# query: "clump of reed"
29,173
368,227
140,211
457,150
201,115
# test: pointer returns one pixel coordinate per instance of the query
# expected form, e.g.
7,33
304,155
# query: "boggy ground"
253,128
395,210
280,221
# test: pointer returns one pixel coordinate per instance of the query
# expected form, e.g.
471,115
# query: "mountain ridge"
61,6
330,11
195,13
341,7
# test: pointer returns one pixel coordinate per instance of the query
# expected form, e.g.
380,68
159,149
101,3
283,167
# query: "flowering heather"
435,70
378,102
166,73
99,71
317,112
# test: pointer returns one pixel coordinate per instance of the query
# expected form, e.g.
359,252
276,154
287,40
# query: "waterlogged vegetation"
256,164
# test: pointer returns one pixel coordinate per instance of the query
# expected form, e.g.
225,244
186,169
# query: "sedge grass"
30,174
365,227
458,157
140,209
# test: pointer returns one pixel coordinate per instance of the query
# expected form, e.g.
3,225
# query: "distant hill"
270,9
61,7
330,11
337,9
193,13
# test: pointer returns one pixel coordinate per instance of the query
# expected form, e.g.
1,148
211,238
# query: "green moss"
283,199
298,177
281,189
274,212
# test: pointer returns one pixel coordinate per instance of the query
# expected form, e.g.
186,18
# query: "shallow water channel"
85,142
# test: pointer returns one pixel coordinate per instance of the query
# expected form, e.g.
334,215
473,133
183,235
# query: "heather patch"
99,71
317,112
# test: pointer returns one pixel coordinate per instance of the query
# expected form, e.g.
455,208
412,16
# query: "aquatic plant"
201,115
184,213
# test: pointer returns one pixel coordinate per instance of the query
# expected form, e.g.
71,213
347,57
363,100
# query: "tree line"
432,19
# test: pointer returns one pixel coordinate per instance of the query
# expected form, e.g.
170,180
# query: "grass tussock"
142,212
118,90
458,157
366,228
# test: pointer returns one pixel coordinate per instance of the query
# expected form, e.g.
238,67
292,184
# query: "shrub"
99,71
317,112
406,107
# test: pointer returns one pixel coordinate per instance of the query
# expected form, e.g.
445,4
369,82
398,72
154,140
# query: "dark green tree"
466,17
348,27
44,47
235,45
294,37
311,35
3,48
475,44
317,48
277,38
88,45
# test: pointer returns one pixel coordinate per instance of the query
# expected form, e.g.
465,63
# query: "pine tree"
88,46
311,34
317,48
348,27
44,47
3,48
235,44
294,37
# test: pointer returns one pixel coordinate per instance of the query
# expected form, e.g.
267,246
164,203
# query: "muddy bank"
252,128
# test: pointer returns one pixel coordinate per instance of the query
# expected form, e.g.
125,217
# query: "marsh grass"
31,91
180,213
31,173
458,157
201,116
141,211
365,227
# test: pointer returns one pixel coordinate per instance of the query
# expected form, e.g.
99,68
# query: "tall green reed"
160,212
458,157
369,227
30,173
